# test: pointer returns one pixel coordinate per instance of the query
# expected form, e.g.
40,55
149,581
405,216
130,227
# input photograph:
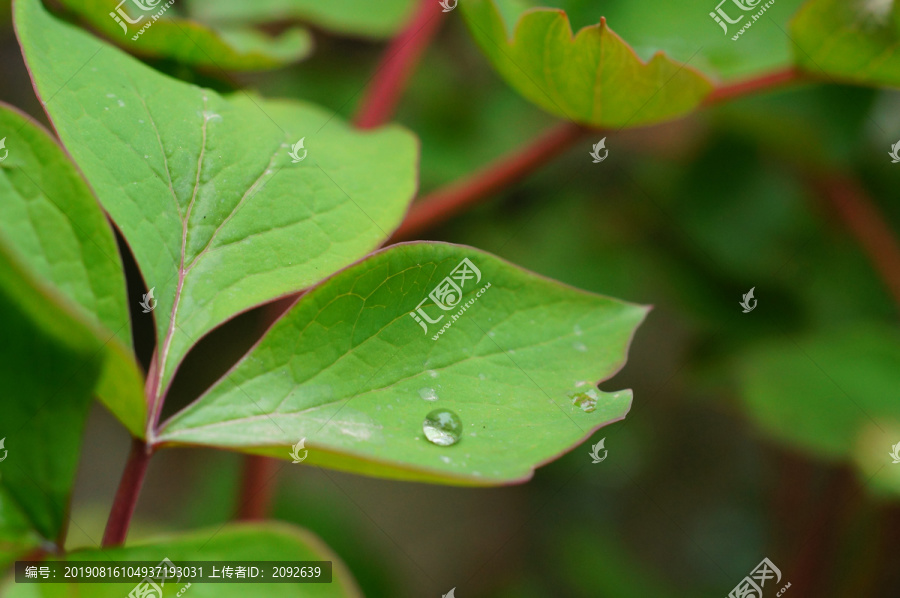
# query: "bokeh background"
749,434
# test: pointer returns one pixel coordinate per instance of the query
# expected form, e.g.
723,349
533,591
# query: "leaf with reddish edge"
592,78
351,372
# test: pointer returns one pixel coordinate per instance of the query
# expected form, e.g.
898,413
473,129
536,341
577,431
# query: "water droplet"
428,394
442,427
577,330
580,383
580,347
445,458
481,376
432,373
492,334
587,401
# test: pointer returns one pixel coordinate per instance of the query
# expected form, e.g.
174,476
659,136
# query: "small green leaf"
850,40
219,216
190,42
354,17
52,222
593,78
235,542
50,362
351,371
834,395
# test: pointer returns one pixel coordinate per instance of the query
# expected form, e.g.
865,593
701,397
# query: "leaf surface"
834,395
190,42
50,219
849,40
219,216
351,371
593,78
353,17
234,542
51,361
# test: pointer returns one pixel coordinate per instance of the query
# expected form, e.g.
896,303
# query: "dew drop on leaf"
442,427
428,394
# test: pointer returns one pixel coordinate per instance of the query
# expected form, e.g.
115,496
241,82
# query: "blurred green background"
749,436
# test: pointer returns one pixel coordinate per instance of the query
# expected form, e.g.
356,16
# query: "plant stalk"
866,223
448,201
127,494
747,87
397,65
257,488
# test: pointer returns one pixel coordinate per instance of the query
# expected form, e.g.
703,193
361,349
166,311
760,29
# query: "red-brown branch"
440,205
397,65
127,494
257,487
747,87
867,224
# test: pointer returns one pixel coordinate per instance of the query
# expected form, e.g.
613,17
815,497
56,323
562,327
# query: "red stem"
257,487
127,494
867,224
440,205
750,86
397,65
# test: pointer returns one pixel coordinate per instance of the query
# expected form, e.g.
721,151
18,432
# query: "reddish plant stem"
747,87
257,487
440,205
867,224
127,494
397,65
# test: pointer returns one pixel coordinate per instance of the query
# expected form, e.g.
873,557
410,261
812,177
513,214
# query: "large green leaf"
355,17
834,395
593,78
53,223
203,188
256,542
190,42
851,40
50,361
351,371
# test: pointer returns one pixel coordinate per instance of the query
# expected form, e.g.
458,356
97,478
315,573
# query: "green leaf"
53,223
203,187
831,395
850,40
235,542
51,361
593,78
349,370
190,42
17,536
354,17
